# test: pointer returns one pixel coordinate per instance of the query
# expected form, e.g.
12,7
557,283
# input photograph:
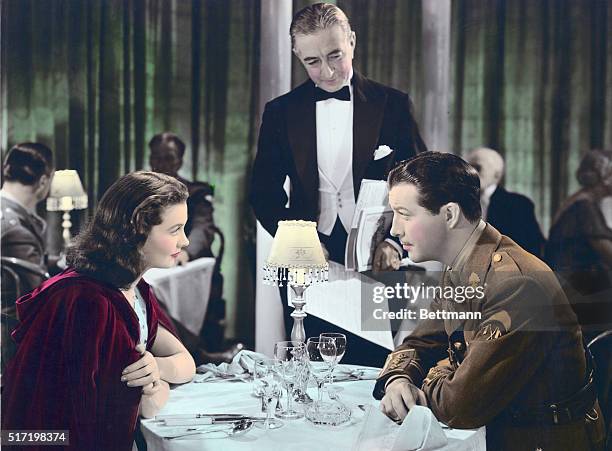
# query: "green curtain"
532,79
95,80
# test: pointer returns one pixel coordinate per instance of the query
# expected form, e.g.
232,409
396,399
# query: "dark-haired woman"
27,171
94,347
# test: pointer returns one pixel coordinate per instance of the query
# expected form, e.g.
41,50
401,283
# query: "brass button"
497,258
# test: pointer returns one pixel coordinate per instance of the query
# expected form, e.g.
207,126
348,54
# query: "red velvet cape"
75,336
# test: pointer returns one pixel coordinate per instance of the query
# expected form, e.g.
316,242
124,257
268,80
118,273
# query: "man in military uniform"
27,172
520,369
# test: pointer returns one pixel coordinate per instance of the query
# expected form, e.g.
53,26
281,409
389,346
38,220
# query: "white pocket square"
382,152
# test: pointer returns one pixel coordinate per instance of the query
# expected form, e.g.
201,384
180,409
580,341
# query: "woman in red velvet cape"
83,364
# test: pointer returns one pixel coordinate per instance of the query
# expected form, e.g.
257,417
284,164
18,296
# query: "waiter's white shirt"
334,126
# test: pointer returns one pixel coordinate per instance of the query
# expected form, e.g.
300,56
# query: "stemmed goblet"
266,372
321,355
340,340
289,355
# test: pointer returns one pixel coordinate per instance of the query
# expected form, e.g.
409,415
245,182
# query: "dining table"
234,396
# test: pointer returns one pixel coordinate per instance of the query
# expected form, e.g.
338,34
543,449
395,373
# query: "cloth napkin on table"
419,431
351,373
241,366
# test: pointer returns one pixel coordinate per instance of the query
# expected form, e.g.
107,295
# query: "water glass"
340,340
268,377
289,355
321,355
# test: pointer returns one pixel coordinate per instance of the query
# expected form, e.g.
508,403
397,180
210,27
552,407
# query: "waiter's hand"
386,258
400,397
325,252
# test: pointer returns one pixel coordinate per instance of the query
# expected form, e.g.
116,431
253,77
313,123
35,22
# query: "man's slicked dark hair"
27,162
441,178
162,143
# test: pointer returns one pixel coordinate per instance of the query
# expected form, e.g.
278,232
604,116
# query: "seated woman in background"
579,246
94,347
579,249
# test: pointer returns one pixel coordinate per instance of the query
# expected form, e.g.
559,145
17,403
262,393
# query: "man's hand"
386,258
400,397
142,372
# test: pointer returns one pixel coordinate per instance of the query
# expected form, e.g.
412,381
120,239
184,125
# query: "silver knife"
208,420
198,415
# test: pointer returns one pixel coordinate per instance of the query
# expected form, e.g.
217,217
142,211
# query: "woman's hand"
152,388
150,404
142,373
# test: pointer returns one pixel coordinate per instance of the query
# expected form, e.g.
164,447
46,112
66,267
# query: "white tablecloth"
184,290
235,397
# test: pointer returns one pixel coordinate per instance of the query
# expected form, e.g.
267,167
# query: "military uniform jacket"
524,352
22,237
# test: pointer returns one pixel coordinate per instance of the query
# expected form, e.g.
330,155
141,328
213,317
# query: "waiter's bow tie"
341,94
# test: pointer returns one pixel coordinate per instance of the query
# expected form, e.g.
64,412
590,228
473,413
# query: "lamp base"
66,225
297,331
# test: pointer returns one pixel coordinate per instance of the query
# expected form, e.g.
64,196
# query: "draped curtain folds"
533,80
96,79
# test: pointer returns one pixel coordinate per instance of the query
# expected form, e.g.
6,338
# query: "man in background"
511,213
167,152
27,172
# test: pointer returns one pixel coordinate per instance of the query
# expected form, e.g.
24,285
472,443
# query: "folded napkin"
419,431
351,373
241,367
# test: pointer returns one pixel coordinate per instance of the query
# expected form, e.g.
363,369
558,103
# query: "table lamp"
296,258
66,194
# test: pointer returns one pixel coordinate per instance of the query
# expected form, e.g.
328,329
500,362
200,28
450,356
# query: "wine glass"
266,372
289,355
321,355
340,350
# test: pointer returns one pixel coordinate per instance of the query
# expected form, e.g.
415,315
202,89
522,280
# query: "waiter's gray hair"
317,17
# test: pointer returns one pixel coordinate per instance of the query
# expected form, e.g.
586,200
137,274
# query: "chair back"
600,348
14,272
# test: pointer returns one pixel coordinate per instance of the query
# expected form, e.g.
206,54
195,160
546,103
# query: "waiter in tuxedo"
324,135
